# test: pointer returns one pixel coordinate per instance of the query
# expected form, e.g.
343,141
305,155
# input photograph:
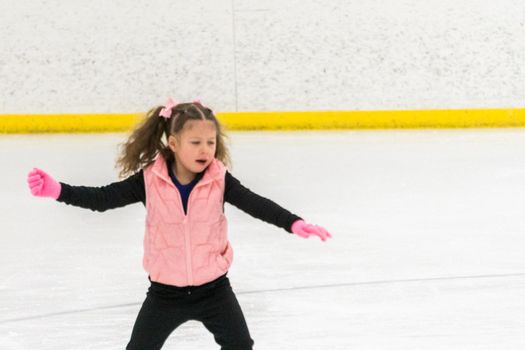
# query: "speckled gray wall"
125,56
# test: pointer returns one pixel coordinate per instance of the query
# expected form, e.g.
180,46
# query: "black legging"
167,307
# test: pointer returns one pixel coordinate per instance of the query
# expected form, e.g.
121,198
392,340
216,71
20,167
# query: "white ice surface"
428,247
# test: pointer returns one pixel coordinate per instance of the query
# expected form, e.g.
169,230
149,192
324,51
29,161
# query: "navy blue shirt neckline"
184,190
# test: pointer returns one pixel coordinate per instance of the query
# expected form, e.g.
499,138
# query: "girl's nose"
205,149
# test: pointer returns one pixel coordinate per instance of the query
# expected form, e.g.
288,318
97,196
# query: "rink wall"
279,64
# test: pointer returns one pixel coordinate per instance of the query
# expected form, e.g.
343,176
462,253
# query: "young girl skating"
183,185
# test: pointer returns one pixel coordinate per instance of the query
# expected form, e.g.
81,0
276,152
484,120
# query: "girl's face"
194,146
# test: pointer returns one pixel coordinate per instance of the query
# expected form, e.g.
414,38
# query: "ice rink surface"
428,248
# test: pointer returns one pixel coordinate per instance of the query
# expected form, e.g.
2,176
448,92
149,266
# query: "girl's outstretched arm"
265,209
115,195
257,206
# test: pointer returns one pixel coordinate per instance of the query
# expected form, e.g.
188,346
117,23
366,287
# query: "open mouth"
201,161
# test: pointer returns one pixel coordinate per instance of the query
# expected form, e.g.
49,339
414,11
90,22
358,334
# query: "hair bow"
166,111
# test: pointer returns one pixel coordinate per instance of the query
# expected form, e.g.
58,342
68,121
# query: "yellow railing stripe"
312,120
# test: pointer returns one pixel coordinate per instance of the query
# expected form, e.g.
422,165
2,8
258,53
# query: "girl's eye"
211,143
195,143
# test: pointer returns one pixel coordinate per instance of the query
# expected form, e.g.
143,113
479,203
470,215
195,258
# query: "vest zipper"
187,235
187,238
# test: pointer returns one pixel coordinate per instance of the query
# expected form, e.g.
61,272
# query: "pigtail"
144,144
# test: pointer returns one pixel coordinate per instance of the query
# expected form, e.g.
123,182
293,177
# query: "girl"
183,186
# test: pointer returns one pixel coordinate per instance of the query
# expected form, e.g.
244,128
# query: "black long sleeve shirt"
131,190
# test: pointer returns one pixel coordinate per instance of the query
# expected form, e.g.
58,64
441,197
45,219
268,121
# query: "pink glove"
43,185
301,228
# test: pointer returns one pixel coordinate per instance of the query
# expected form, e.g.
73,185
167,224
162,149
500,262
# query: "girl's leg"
156,320
221,314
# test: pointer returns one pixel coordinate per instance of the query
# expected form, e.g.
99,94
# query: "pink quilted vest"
185,249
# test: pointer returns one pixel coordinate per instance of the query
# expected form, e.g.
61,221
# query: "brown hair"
146,140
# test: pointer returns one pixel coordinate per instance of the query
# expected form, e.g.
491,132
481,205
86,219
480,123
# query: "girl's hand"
43,185
302,229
